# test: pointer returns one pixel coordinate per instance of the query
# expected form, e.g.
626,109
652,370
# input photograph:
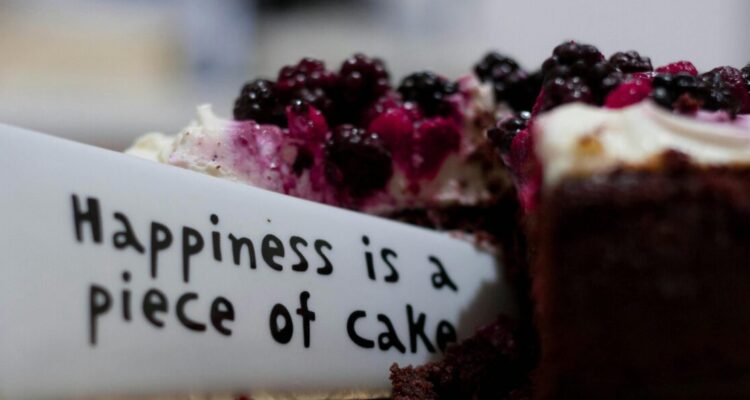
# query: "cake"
634,184
617,192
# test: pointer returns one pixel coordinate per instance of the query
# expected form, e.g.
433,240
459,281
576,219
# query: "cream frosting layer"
578,139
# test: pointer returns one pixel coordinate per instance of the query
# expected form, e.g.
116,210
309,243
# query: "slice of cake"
636,199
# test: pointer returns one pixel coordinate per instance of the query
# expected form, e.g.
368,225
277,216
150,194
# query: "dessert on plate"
617,192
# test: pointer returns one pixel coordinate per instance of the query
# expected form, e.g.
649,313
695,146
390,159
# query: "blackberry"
504,131
630,61
735,82
357,160
721,90
668,88
362,80
570,59
429,91
578,72
493,65
310,81
566,90
259,101
746,76
521,94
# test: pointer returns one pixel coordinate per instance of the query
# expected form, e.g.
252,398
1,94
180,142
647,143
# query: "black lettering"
192,244
389,338
296,241
161,239
368,259
126,237
154,302
416,330
221,310
327,268
351,330
126,297
441,278
99,303
386,254
182,317
306,315
446,334
271,248
281,334
216,239
237,245
92,216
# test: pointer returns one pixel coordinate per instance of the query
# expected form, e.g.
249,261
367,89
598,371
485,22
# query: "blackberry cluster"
259,101
362,80
310,81
686,93
577,72
503,133
429,91
630,62
746,76
358,160
510,82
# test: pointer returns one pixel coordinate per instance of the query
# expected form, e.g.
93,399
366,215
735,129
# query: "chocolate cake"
636,214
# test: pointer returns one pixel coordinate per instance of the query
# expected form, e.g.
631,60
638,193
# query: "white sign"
121,276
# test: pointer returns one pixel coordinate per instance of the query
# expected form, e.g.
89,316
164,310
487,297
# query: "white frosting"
579,139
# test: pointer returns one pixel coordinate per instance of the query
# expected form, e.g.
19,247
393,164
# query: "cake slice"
636,190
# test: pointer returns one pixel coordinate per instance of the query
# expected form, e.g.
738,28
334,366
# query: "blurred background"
104,72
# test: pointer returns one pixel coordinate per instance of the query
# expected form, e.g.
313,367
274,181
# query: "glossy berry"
503,133
429,91
494,65
259,101
570,59
396,127
630,61
306,122
434,139
732,80
578,72
357,160
362,80
678,67
310,81
721,92
631,92
667,88
566,90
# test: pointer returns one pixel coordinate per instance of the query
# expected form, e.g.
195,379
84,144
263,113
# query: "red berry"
434,140
306,122
396,127
677,67
630,92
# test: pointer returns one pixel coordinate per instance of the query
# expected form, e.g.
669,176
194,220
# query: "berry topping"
362,80
494,64
630,61
510,83
746,76
708,91
396,127
630,92
258,101
306,122
565,90
577,72
357,160
677,67
433,141
309,81
429,91
503,133
734,81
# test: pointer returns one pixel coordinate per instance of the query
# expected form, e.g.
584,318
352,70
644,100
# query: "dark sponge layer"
642,286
